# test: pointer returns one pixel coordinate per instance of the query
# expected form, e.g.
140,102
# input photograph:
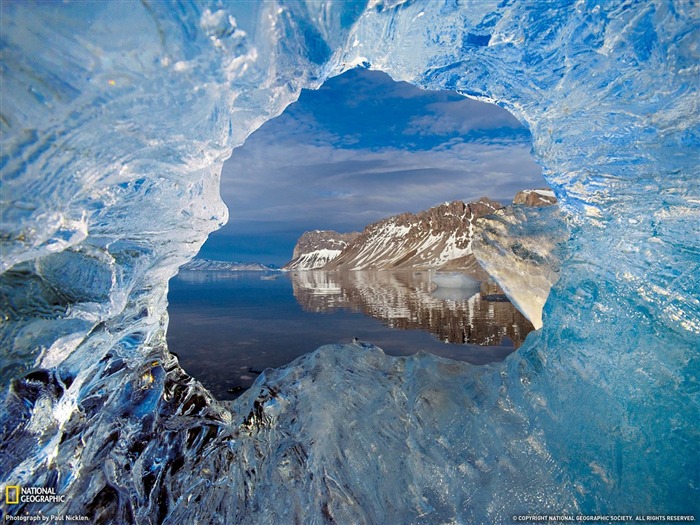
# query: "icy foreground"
116,118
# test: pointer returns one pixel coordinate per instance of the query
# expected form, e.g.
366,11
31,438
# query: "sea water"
227,327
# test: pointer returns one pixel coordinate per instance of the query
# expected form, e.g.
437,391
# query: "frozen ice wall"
115,119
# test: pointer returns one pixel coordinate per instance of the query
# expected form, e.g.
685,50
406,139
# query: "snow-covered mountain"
317,248
539,197
429,239
224,266
438,238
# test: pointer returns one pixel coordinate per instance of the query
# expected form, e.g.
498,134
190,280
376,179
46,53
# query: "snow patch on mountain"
538,197
317,248
313,260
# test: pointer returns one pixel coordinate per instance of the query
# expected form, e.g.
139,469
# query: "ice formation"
116,117
521,247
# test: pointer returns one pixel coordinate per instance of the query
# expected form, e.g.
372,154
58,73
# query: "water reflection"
203,276
407,300
226,327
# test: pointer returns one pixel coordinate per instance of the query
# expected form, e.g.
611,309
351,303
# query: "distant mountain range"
428,239
439,238
224,266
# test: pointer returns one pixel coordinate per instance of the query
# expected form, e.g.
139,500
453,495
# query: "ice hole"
358,150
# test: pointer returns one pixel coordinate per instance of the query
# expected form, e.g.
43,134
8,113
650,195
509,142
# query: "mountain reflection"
406,300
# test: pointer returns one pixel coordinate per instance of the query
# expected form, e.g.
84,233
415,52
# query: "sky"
359,149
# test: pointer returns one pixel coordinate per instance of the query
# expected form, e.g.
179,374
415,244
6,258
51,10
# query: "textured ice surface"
520,246
116,117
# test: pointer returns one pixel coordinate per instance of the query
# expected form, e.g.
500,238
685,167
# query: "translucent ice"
520,246
116,117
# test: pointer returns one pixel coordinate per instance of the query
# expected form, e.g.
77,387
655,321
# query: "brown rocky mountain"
316,248
429,239
439,238
538,198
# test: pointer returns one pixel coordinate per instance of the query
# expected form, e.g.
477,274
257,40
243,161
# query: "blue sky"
359,149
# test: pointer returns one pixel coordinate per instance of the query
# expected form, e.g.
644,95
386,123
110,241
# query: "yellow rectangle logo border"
8,489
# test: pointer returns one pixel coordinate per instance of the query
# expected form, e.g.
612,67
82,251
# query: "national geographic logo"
14,494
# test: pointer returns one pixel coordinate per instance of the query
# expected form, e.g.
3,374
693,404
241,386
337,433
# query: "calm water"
226,327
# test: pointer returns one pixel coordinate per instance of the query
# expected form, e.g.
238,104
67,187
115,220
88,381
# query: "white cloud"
322,185
362,148
448,118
